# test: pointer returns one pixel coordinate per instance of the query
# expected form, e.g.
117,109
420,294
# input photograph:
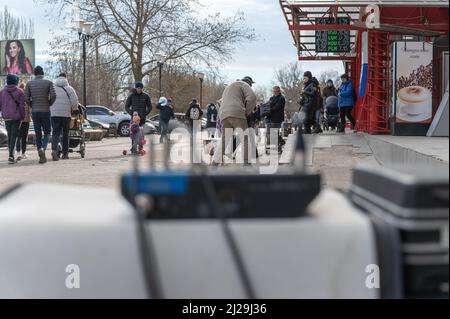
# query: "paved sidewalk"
332,154
102,166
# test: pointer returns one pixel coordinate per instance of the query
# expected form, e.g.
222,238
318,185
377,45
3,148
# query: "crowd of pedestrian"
318,107
48,104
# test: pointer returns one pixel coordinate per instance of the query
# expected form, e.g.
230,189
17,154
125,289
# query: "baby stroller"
77,138
331,118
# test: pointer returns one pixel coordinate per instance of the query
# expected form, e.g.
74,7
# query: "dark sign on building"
333,40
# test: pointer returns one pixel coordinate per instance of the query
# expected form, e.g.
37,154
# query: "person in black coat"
211,119
139,102
277,104
308,101
318,109
211,116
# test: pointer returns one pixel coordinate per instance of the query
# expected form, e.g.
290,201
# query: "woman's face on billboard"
13,50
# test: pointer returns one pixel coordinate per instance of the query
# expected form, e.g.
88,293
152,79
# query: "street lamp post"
201,77
160,60
84,33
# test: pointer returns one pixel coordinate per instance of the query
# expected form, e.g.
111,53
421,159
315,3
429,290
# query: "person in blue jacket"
165,115
346,102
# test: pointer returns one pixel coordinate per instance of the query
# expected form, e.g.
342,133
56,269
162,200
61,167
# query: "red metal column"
373,115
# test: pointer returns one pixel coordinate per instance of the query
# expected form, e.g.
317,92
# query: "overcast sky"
273,49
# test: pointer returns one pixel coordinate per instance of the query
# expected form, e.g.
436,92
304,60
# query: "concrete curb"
390,153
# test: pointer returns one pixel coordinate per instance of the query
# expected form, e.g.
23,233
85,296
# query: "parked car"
101,113
91,133
105,127
179,121
150,128
94,131
3,135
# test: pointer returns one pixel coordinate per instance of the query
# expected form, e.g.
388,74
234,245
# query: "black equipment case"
415,202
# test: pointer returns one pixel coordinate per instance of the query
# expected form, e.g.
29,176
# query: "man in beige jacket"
238,101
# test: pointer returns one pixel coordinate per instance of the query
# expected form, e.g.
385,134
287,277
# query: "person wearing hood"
165,115
346,101
61,111
211,116
12,108
329,90
318,111
308,101
193,113
40,95
211,119
140,102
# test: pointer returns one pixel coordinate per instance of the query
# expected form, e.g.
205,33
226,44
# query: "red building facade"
373,29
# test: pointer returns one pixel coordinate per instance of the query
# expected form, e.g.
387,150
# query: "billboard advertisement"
17,57
413,82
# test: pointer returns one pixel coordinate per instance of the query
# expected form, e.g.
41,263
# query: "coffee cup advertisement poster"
17,57
414,82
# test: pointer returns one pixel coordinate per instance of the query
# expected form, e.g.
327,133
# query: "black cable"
145,241
10,190
148,257
214,204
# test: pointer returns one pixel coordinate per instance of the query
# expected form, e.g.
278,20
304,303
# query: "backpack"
194,114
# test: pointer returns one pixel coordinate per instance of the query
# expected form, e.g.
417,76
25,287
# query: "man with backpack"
61,112
193,113
346,102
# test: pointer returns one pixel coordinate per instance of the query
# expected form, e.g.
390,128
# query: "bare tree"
106,81
262,94
290,78
12,27
180,84
137,30
109,82
328,75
